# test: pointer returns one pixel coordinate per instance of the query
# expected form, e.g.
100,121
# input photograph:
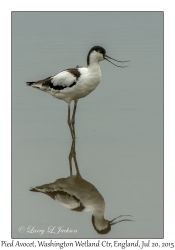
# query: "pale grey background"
119,126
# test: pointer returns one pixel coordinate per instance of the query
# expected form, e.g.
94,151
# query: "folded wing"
64,79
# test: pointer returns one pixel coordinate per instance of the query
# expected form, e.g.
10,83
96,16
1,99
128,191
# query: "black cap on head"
103,231
98,49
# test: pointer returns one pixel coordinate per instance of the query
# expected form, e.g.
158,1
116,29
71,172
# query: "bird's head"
104,226
98,53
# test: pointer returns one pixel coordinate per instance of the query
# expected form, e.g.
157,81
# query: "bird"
79,195
75,83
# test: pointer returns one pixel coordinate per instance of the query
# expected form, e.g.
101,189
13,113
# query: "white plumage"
75,83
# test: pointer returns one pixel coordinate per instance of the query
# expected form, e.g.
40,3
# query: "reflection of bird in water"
75,83
77,194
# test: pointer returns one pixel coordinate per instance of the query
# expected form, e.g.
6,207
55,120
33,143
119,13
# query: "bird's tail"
41,84
29,83
38,85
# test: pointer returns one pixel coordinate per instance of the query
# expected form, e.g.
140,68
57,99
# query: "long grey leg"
75,159
72,154
73,117
69,122
70,158
74,111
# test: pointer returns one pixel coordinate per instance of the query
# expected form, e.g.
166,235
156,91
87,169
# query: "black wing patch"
74,72
59,87
45,82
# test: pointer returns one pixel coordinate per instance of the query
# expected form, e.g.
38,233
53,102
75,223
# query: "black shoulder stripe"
72,84
74,72
58,87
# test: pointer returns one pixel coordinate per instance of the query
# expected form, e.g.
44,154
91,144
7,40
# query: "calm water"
119,127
